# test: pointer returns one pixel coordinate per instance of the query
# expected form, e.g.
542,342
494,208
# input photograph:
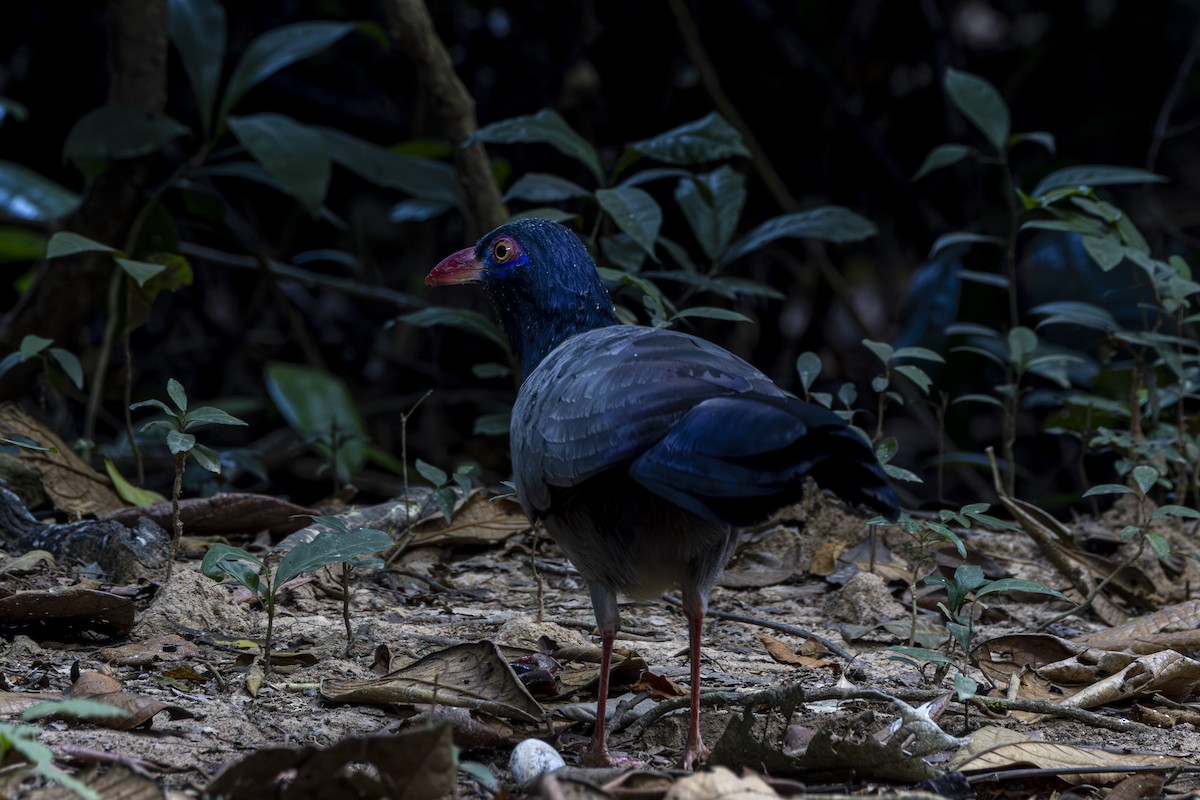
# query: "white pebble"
531,759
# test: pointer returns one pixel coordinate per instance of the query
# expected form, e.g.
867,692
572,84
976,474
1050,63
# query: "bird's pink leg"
607,617
695,604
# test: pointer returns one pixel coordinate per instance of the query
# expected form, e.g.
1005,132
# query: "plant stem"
176,521
270,597
346,606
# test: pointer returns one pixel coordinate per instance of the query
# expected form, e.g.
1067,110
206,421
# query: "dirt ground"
192,645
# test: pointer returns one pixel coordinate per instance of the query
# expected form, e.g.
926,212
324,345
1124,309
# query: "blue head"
541,280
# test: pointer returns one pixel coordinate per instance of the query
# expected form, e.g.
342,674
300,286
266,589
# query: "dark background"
845,98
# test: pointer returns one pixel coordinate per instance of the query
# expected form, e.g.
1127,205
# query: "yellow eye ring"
503,250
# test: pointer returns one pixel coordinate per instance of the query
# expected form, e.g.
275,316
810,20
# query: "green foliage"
320,407
22,740
180,420
33,346
337,545
447,487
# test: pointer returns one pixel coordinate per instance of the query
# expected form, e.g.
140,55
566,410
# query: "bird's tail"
738,459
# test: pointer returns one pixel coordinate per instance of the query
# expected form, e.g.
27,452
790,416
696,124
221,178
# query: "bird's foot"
598,755
695,753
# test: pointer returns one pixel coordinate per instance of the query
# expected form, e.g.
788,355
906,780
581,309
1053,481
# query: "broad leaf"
1044,138
963,237
917,375
635,213
1108,488
222,560
198,31
1145,477
712,204
20,244
425,178
1072,312
542,187
207,415
1018,585
116,131
808,366
275,50
134,495
24,194
1104,250
435,475
320,407
1093,175
459,318
180,442
177,394
330,548
140,271
711,312
295,154
10,108
65,243
827,223
944,155
979,102
545,126
33,344
70,365
709,138
206,457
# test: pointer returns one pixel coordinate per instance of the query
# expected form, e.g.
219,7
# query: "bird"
644,450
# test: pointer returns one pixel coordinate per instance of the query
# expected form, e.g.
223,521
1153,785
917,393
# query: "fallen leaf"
107,689
720,784
168,647
785,655
481,519
660,687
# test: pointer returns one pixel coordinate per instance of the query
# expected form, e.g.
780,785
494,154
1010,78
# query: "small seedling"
340,545
183,444
447,488
40,347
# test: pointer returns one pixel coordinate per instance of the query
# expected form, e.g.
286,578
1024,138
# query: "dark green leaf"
545,126
140,271
417,210
492,424
979,102
206,457
207,415
24,194
295,154
1093,175
709,312
963,237
1043,138
541,187
899,473
1175,511
20,244
319,406
882,350
968,577
965,686
65,243
458,318
922,653
709,138
917,376
116,131
159,404
445,498
1072,312
827,223
179,442
1108,488
434,475
1162,548
424,178
33,344
1104,250
712,204
76,707
222,560
1145,477
655,174
944,155
545,212
1021,344
978,398
1018,585
635,213
276,49
330,548
198,31
177,394
490,369
918,353
808,366
70,365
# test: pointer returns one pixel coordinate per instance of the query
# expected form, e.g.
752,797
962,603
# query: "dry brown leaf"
13,704
1004,656
995,748
474,676
720,784
73,486
824,561
481,519
107,689
1176,627
1166,673
168,647
783,654
116,781
659,686
29,562
419,763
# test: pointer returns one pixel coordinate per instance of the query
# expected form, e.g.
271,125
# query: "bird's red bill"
460,267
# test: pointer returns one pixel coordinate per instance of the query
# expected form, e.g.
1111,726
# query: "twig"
1062,712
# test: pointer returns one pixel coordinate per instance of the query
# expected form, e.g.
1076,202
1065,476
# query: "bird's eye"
503,251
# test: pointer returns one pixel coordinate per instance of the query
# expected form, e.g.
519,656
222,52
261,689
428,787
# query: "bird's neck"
535,326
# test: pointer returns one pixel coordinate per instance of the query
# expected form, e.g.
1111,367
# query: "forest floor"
785,706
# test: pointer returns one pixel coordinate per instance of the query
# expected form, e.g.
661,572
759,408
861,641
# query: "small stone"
531,759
